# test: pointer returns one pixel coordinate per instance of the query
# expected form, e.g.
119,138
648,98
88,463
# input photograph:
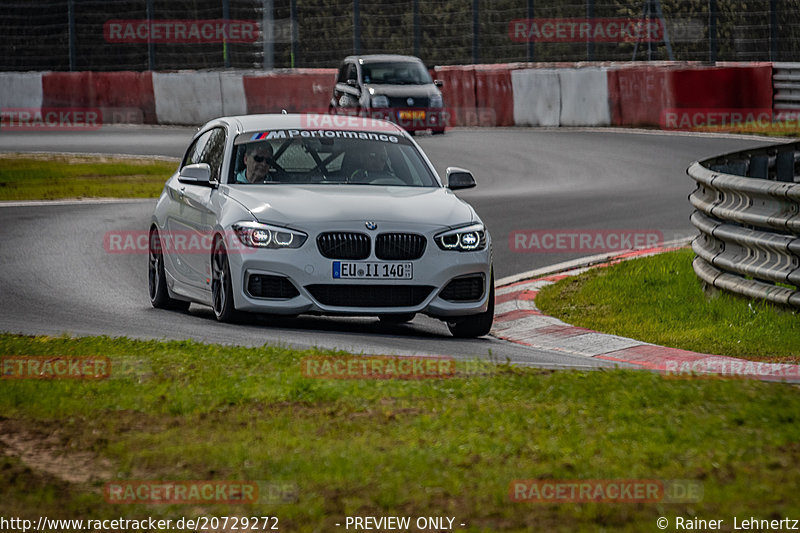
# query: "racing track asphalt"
57,278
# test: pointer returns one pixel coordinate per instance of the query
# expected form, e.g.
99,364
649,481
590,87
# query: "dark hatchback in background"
391,87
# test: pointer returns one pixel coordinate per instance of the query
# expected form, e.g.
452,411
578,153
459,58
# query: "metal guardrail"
786,86
748,213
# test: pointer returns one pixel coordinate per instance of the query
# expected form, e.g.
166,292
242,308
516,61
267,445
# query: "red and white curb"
518,320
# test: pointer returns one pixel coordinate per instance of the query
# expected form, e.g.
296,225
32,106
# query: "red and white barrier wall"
196,97
619,94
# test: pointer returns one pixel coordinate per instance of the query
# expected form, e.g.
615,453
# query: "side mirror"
352,83
197,174
458,178
438,83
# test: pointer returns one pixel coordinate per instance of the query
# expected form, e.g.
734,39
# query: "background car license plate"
347,270
411,115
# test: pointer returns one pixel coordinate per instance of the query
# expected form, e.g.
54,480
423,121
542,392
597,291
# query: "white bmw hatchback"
325,214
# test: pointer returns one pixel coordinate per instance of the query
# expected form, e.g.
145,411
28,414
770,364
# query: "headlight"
380,101
437,101
468,239
257,235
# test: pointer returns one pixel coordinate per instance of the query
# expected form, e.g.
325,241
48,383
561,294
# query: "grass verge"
444,447
50,177
753,128
659,299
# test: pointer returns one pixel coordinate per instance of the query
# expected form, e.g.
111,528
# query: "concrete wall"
20,90
537,97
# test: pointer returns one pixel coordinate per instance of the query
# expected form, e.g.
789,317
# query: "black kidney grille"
370,295
276,287
397,246
466,289
343,245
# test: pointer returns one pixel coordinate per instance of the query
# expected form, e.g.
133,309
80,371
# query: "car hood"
311,205
403,91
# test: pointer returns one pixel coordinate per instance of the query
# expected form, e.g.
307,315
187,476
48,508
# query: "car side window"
352,72
342,78
208,148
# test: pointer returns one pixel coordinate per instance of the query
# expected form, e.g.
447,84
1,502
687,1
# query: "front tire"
157,279
221,287
473,326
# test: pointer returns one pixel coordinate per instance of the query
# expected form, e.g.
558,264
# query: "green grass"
660,300
443,447
50,177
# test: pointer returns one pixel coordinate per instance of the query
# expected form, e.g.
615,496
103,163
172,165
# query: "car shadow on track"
421,327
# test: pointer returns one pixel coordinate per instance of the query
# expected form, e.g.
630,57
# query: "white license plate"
364,270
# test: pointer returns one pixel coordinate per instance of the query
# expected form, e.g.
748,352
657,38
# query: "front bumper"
307,270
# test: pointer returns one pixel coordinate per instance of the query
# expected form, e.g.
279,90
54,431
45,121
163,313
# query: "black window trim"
199,135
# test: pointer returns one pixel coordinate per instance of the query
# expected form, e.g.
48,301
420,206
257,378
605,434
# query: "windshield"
395,73
328,157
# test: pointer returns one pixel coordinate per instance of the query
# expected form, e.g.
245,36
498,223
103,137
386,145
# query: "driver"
372,162
257,159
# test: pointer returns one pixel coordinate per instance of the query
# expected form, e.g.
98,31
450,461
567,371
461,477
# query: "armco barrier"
786,85
108,91
584,97
298,91
536,96
748,213
20,90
